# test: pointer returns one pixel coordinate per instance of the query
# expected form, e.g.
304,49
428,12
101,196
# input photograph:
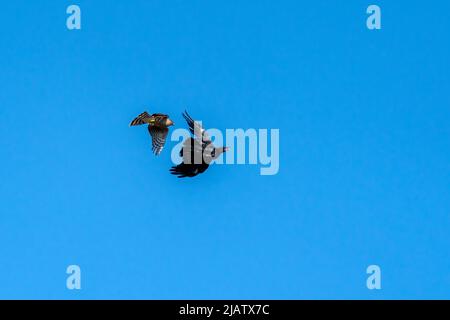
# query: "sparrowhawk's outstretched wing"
158,138
140,119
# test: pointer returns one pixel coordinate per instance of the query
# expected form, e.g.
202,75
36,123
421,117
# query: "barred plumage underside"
158,138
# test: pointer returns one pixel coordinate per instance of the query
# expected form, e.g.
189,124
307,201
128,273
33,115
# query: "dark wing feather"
196,128
184,170
193,162
193,150
190,145
140,119
158,138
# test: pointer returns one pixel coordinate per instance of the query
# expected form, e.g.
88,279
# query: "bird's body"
158,127
197,152
156,119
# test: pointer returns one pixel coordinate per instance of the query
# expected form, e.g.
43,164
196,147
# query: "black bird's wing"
158,138
191,147
195,152
196,128
184,170
193,159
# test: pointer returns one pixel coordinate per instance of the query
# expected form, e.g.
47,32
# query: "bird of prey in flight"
197,152
158,127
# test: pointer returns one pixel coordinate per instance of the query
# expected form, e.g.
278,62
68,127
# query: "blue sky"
364,150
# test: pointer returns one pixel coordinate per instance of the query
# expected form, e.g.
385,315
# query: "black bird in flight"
158,127
197,152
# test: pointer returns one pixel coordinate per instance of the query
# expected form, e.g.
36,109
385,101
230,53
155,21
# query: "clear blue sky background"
364,125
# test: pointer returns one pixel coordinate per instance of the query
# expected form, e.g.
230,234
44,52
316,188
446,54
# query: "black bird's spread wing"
184,170
193,159
196,128
191,147
196,152
158,138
